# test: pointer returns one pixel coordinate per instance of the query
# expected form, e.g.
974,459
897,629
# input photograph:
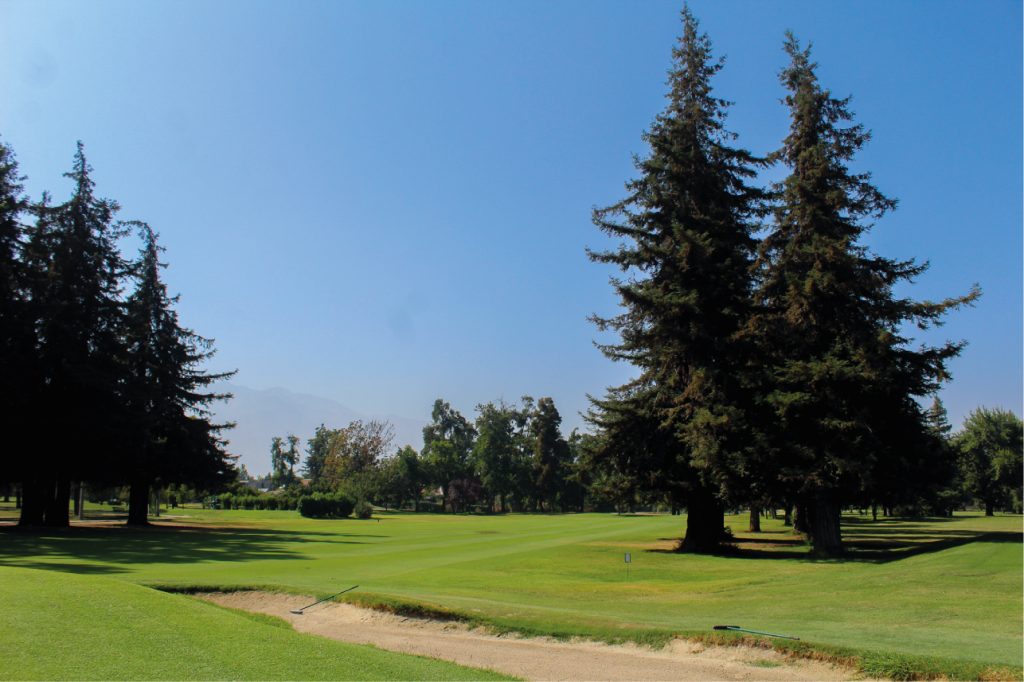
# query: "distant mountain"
262,414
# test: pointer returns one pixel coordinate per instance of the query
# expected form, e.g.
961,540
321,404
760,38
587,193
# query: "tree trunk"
138,504
755,520
75,498
823,521
787,519
800,522
705,522
990,509
874,511
33,503
17,496
58,498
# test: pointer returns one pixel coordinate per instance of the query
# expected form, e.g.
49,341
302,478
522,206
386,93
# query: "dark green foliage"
252,500
401,479
447,442
171,438
114,380
495,451
326,506
363,509
550,454
17,339
686,249
842,381
75,289
990,452
316,454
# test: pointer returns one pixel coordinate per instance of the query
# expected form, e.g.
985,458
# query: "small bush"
326,506
364,509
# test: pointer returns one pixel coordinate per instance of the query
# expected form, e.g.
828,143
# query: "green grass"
60,626
936,594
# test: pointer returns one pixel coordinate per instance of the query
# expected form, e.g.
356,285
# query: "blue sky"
387,202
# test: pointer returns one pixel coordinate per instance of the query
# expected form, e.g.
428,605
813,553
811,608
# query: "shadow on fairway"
864,540
113,547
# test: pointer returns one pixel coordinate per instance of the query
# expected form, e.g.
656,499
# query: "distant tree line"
514,458
511,458
774,368
101,383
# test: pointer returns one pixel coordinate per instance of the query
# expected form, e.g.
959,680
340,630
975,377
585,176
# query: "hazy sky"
387,202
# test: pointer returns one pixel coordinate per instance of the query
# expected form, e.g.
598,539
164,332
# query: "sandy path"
529,658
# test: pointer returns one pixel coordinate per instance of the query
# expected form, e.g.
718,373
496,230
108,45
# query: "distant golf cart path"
528,658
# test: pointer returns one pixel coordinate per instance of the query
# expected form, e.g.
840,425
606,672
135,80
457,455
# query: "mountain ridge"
261,414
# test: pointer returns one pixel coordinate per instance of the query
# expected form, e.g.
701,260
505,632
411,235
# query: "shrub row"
326,506
264,501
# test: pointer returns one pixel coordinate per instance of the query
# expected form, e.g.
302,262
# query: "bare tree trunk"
56,510
705,523
990,508
800,521
787,519
138,504
824,528
755,520
33,502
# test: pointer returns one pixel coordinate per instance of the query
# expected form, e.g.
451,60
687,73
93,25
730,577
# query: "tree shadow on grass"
866,541
113,549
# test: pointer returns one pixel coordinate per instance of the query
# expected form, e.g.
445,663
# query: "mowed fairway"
943,588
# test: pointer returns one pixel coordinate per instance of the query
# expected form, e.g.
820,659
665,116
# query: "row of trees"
513,457
774,367
101,383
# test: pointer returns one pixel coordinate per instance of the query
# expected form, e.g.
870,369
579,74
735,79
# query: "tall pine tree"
16,337
843,381
686,250
75,287
166,392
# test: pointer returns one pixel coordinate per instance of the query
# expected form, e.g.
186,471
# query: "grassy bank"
61,626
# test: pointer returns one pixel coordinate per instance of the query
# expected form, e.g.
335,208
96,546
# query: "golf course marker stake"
298,612
629,560
737,628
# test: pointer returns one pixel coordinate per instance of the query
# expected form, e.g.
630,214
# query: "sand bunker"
529,658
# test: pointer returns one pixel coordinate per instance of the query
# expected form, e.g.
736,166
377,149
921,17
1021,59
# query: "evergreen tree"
550,454
165,398
843,382
76,299
16,337
686,230
316,454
